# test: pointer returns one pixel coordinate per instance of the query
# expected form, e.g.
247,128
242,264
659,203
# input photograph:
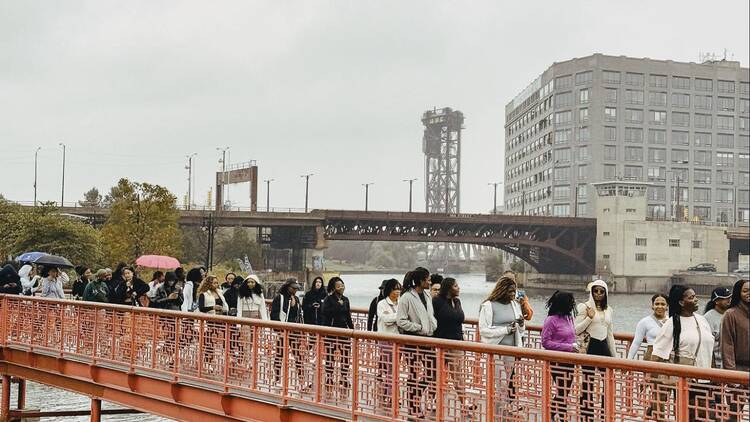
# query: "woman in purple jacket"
559,333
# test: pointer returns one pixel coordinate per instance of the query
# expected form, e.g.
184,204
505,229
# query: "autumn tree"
233,244
92,198
143,219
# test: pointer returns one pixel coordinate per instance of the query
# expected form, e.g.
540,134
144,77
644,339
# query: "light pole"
62,190
411,183
189,168
675,209
223,162
268,194
494,184
367,193
36,159
307,187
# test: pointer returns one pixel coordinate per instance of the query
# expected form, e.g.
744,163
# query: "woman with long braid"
685,339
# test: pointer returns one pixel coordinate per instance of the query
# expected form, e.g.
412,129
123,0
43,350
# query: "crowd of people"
429,305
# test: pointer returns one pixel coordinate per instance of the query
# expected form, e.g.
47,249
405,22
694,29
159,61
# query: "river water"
360,288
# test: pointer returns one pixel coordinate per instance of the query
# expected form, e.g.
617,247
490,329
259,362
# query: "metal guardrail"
373,376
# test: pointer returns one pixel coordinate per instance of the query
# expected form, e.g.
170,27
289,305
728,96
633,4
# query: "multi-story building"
683,127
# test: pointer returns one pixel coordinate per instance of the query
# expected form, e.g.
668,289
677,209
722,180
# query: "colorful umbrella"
157,261
30,256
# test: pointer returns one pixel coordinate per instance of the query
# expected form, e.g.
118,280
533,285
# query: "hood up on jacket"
600,283
24,272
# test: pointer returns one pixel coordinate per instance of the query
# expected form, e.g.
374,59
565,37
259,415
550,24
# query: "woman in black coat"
313,302
337,313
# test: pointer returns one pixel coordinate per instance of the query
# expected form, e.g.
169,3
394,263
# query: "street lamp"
494,184
677,193
223,162
268,194
189,168
411,183
367,193
307,187
62,192
36,159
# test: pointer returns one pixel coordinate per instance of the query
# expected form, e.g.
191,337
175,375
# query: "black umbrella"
54,261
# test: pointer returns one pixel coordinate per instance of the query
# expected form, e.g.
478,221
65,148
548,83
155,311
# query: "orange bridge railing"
359,375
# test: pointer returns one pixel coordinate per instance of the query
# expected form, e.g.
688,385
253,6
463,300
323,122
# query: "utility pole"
223,162
189,168
678,211
62,191
307,187
523,202
36,159
575,204
411,183
210,227
268,194
494,184
367,194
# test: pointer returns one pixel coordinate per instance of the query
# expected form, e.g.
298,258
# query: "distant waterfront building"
683,127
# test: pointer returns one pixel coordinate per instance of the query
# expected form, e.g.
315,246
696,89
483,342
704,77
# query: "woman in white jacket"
501,322
52,284
251,302
387,308
29,278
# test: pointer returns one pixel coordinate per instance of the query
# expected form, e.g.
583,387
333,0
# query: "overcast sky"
331,88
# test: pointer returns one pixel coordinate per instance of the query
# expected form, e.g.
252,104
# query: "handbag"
676,359
249,313
583,340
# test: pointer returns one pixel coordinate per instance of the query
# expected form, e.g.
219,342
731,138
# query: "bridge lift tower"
441,145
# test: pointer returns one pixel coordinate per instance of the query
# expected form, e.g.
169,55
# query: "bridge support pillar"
5,403
96,410
21,402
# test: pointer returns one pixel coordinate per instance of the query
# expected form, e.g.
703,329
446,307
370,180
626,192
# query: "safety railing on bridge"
370,376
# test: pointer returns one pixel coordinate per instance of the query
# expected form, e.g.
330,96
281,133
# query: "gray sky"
331,88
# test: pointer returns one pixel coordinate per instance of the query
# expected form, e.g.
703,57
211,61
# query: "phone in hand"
520,294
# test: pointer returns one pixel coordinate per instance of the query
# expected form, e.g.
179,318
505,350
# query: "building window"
702,177
697,244
725,177
563,117
743,215
744,87
725,159
611,77
582,210
633,96
605,256
657,98
656,174
633,115
630,210
680,100
725,195
610,152
583,115
702,139
583,172
703,121
703,102
679,174
744,105
563,99
743,123
610,95
562,174
561,210
674,243
657,155
562,136
744,178
584,134
561,192
657,81
680,119
702,213
584,78
702,195
657,117
633,154
725,140
605,234
657,136
610,133
680,156
640,257
725,122
562,155
726,87
610,114
680,138
680,82
743,142
744,160
704,85
703,158
725,104
634,134
656,212
610,171
583,153
743,197
583,96
634,79
633,173
563,81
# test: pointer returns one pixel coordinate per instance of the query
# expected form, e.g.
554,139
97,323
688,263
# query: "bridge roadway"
552,245
193,367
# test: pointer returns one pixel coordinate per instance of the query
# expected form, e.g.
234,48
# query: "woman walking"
735,345
313,301
79,285
559,333
594,325
501,322
714,313
386,312
210,299
286,308
251,303
168,295
337,313
685,339
450,318
649,327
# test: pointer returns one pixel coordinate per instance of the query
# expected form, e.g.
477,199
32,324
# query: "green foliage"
143,220
43,229
234,244
493,265
92,198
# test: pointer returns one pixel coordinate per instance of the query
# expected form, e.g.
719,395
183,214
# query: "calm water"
360,288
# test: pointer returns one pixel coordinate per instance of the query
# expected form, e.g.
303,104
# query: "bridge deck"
194,366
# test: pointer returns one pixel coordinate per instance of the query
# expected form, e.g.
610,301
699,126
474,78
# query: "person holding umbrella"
52,283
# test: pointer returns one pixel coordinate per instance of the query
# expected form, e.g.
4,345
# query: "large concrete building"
683,127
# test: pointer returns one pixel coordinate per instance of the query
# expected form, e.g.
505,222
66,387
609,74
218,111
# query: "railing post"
177,328
154,342
609,395
355,375
133,338
439,383
547,391
96,410
682,411
284,365
226,356
490,387
201,349
62,330
254,368
395,368
319,378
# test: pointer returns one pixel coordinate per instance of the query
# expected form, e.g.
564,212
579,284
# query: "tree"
143,220
234,245
92,198
493,265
